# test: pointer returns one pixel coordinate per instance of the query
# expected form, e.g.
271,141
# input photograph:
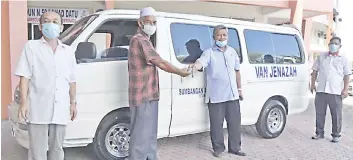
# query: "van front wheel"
113,135
272,120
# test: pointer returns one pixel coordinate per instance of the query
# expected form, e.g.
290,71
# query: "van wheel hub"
117,140
275,120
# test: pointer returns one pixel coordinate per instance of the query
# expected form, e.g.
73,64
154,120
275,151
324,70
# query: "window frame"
297,39
117,59
240,55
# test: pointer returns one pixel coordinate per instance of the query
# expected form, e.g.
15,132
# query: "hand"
184,72
312,88
73,112
344,93
241,97
23,111
196,66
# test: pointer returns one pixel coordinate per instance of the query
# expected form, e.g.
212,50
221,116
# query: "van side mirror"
85,52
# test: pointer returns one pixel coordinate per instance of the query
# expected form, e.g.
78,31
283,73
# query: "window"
190,40
102,41
112,40
286,48
267,47
69,35
29,26
260,47
233,41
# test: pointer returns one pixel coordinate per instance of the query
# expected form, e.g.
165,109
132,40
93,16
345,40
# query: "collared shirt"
331,71
220,69
143,75
50,74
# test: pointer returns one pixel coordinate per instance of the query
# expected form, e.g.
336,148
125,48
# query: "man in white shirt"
332,71
48,89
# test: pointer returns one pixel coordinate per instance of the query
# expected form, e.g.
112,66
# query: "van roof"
290,28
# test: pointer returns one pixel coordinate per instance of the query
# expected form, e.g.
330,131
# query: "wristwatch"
239,89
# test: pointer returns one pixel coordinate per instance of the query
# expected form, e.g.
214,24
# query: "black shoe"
217,153
316,137
238,153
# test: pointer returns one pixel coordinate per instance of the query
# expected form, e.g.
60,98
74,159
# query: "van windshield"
69,35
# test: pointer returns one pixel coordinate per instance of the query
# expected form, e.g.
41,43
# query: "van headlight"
16,95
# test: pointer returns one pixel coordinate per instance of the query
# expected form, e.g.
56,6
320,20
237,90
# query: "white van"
272,88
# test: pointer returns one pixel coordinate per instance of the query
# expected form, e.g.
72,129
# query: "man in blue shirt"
221,64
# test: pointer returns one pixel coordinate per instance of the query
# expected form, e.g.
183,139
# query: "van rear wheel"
113,136
272,120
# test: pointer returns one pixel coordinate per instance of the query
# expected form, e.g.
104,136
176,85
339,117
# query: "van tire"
278,119
114,121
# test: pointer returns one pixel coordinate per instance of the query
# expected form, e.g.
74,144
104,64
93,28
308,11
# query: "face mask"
149,29
221,43
50,30
333,48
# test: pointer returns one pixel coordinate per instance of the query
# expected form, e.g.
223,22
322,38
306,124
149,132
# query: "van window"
259,46
190,40
70,34
287,48
112,39
266,47
233,41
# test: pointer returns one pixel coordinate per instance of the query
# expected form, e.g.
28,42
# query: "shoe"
316,137
335,139
238,153
217,153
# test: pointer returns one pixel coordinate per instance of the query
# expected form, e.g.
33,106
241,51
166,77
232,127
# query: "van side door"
189,40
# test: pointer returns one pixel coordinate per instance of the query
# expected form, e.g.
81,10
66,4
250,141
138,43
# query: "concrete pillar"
6,93
308,23
296,15
15,33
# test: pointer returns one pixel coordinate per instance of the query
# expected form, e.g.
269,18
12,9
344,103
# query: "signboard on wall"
69,16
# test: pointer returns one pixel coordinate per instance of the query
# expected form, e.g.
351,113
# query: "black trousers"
229,110
322,100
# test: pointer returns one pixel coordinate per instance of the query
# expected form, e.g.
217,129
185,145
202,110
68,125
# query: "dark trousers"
229,110
144,126
335,104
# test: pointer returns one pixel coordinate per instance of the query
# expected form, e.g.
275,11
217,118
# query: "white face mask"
149,29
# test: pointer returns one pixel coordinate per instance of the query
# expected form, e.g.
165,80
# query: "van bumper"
18,128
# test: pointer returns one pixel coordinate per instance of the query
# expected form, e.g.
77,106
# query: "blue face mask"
50,30
333,48
221,43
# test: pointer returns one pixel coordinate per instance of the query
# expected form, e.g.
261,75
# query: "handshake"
186,71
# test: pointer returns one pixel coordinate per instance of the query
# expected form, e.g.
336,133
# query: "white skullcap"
148,11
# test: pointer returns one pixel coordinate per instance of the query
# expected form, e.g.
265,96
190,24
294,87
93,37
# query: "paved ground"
293,144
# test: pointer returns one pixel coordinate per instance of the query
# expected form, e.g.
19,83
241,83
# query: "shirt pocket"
338,65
